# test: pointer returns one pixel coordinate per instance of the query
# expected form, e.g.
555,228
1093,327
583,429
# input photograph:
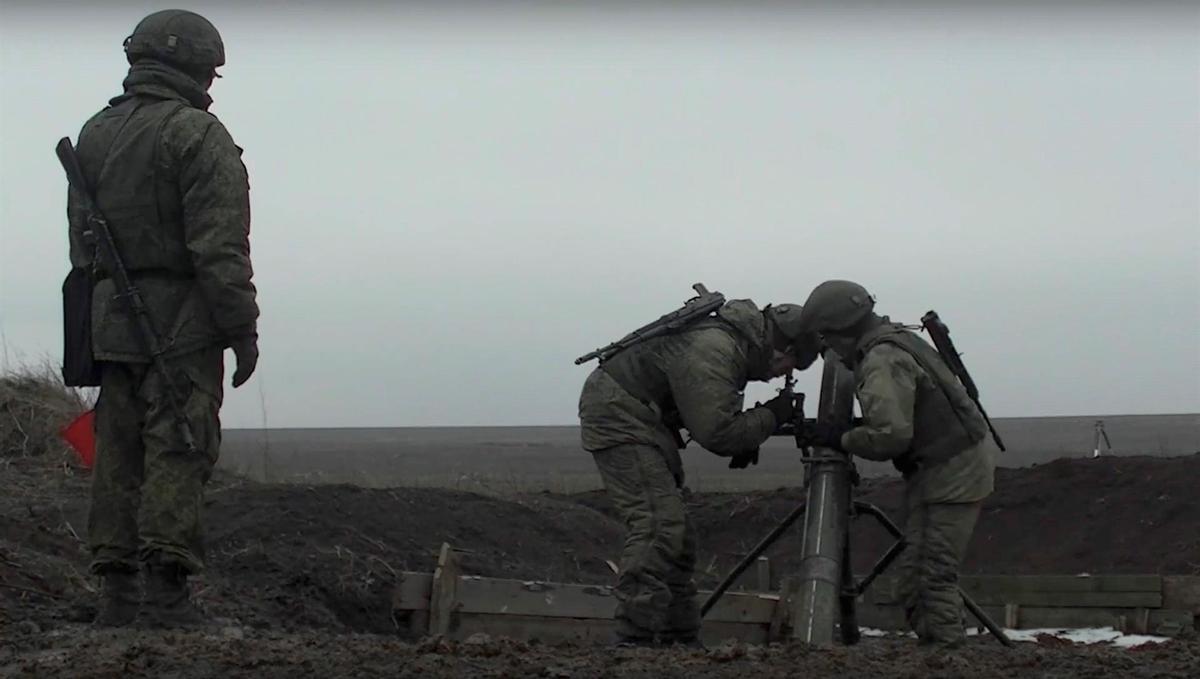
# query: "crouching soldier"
631,409
917,414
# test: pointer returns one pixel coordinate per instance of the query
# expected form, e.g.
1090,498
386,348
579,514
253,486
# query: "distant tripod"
1100,435
826,574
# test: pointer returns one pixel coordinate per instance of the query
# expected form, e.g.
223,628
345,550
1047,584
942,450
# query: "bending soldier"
916,414
631,409
171,183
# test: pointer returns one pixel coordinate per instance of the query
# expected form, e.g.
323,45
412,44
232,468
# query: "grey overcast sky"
452,201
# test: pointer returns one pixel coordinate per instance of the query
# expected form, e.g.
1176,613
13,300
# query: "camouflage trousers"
937,535
147,490
656,593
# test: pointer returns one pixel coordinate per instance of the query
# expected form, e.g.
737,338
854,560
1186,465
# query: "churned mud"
300,577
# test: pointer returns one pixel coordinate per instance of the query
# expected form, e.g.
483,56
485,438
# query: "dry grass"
34,407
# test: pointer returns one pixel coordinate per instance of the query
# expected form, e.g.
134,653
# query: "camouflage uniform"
171,182
917,414
630,410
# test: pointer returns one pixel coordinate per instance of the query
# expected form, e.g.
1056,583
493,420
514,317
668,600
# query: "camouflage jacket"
171,183
897,397
692,379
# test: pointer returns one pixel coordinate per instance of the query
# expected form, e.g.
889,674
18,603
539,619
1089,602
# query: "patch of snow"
872,632
1089,635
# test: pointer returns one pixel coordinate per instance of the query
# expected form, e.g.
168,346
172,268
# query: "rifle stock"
940,334
700,306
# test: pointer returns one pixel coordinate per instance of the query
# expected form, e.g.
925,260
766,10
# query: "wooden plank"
756,609
589,630
443,598
1061,583
1170,622
1119,591
546,630
1182,592
1012,616
1037,617
410,602
547,599
763,569
494,596
1070,599
412,591
780,619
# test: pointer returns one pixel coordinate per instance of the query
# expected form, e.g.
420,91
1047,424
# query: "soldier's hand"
245,349
743,460
783,407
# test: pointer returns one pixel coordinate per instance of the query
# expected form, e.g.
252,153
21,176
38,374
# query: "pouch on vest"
79,366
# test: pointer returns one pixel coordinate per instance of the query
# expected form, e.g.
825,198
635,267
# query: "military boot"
168,598
120,597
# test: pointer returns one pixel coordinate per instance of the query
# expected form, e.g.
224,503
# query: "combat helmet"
788,321
178,37
836,305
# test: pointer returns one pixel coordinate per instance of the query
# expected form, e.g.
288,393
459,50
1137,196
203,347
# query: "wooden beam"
1061,583
1182,592
410,602
763,570
1012,616
412,591
443,598
781,618
1070,599
1112,591
494,596
544,599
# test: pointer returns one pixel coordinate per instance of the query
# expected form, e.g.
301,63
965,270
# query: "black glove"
827,435
783,407
245,348
743,460
905,465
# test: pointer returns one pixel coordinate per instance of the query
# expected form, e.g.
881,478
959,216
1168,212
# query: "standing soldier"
631,409
915,413
172,185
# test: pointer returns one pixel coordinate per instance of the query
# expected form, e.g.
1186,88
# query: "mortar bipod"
850,593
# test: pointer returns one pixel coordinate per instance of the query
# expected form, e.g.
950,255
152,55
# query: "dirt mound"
302,575
34,406
235,652
1105,515
327,556
288,557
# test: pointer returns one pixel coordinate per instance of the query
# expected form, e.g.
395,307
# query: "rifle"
696,308
940,334
801,428
99,235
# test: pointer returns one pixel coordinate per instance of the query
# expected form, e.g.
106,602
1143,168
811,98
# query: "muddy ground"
300,576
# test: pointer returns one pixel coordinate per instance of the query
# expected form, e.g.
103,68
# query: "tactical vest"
945,420
134,187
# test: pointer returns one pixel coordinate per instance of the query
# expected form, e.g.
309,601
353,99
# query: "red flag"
81,435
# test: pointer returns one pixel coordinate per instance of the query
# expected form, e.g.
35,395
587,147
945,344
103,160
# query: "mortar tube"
827,519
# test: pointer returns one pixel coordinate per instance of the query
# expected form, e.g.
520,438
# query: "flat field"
501,460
